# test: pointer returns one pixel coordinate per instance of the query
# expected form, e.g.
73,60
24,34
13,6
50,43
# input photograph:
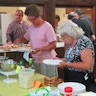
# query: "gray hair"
71,15
70,28
79,12
33,10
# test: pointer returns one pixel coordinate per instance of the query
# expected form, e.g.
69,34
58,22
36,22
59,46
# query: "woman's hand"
36,50
62,65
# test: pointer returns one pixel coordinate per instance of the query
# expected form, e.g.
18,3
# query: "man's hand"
9,43
17,41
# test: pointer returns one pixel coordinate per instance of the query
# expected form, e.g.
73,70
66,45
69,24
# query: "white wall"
5,20
61,13
12,10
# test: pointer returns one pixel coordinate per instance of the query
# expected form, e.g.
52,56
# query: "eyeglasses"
31,19
19,15
63,37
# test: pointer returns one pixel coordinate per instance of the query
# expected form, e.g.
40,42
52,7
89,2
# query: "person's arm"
85,64
93,37
49,47
21,40
9,34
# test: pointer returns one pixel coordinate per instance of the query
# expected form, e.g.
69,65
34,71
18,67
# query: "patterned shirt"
16,30
73,55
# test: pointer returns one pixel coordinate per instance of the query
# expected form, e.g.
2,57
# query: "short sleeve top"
74,55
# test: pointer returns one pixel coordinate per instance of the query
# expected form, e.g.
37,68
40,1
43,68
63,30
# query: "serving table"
14,89
9,80
17,53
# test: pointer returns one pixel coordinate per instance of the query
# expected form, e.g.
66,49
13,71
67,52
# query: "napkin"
26,56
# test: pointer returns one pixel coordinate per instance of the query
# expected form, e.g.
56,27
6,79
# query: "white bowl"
77,87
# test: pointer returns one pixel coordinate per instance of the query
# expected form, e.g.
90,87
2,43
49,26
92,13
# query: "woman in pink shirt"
41,36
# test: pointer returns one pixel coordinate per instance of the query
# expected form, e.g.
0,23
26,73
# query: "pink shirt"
40,37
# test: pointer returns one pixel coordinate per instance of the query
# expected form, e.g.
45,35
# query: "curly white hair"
70,28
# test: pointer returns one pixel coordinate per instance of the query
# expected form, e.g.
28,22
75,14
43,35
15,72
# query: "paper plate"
52,62
87,94
77,87
23,49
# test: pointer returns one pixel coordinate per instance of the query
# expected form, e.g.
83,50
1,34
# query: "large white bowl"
77,87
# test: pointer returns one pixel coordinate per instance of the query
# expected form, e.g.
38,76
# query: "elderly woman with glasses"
79,54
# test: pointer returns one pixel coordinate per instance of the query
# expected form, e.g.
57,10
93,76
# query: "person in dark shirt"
87,24
74,17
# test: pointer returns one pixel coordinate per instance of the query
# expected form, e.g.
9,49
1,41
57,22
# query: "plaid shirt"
16,30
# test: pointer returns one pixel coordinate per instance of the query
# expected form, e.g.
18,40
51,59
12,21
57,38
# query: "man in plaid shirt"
16,28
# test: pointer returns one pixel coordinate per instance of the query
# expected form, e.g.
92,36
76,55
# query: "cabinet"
5,19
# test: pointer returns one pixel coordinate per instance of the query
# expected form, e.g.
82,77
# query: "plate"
87,94
77,87
23,49
52,62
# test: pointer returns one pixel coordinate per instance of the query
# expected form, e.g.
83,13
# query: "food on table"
54,81
15,46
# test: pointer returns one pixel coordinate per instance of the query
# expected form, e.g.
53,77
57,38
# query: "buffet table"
14,89
17,53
